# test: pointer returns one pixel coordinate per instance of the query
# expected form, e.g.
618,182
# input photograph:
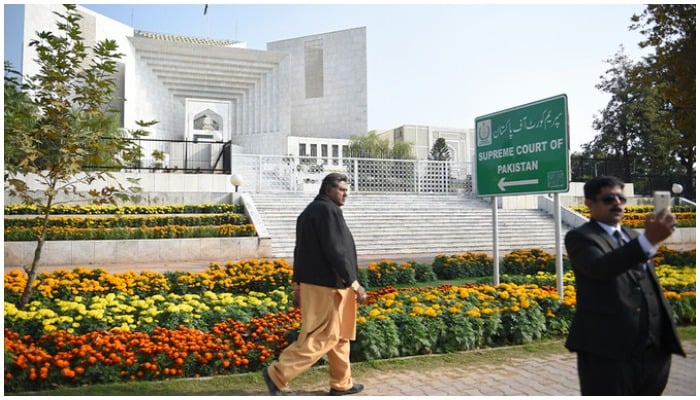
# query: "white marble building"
265,101
459,141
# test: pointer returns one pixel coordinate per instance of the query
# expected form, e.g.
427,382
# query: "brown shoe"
356,388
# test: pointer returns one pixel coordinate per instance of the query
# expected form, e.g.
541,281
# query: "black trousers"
642,374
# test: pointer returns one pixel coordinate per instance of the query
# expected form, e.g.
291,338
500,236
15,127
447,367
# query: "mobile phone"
662,199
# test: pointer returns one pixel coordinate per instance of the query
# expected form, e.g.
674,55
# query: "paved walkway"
545,375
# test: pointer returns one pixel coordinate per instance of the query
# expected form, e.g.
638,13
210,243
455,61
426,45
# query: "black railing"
187,156
583,169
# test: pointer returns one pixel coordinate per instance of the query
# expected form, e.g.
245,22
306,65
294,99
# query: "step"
408,223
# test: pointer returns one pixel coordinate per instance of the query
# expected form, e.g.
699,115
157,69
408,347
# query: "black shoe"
270,385
356,388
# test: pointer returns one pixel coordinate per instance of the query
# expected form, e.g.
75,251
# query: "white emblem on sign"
483,133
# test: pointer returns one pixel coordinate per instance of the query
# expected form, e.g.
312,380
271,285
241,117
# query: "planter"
137,251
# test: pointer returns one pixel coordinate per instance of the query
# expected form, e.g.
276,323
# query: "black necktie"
620,240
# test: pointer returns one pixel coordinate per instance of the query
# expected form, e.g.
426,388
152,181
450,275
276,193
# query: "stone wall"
74,253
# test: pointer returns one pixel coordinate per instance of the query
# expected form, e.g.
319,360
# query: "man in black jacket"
623,330
326,288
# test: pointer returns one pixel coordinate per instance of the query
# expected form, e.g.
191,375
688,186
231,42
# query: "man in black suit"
623,330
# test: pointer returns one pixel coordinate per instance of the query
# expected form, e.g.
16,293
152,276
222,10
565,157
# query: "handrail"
684,200
568,216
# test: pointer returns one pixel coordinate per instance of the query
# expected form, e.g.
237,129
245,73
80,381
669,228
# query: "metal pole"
260,173
494,222
355,174
557,240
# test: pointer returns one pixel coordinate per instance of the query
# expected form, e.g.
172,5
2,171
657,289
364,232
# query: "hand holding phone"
662,200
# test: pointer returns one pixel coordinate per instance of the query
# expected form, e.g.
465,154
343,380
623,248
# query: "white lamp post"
236,181
677,189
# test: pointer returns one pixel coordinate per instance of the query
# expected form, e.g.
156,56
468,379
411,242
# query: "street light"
677,189
236,181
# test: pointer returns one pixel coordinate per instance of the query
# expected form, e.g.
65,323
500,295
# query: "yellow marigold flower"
474,313
255,302
374,313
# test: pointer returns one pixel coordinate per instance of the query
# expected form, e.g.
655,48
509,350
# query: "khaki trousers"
327,325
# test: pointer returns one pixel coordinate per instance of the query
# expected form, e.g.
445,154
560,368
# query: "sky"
440,65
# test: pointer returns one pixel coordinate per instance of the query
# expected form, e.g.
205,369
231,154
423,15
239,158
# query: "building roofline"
168,37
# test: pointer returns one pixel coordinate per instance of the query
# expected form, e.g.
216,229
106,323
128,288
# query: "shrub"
423,272
528,261
462,266
674,257
377,338
387,273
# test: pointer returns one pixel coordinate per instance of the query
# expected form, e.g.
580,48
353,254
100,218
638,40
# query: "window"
302,149
334,153
313,153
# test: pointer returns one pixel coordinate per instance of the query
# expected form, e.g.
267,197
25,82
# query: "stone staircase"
411,224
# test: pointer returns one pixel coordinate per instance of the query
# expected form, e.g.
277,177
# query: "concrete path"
545,375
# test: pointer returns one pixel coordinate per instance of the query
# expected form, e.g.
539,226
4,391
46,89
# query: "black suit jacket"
609,300
324,253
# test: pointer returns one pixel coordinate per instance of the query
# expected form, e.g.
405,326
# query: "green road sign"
523,150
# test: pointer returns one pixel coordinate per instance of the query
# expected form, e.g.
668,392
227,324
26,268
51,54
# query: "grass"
311,381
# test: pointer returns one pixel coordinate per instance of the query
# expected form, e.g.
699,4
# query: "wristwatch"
355,286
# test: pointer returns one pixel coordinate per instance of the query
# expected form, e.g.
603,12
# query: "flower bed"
129,222
635,217
88,326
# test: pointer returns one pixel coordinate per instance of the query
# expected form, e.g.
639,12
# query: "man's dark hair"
593,187
332,180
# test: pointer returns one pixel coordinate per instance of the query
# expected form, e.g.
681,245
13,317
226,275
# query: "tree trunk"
33,271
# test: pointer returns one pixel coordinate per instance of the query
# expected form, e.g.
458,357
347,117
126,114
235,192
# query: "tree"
369,146
648,126
402,151
629,126
372,146
440,151
670,31
20,113
58,122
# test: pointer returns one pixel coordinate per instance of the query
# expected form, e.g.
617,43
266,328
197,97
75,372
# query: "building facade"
210,90
459,141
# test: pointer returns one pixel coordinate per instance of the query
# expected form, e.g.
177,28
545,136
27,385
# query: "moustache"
616,209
